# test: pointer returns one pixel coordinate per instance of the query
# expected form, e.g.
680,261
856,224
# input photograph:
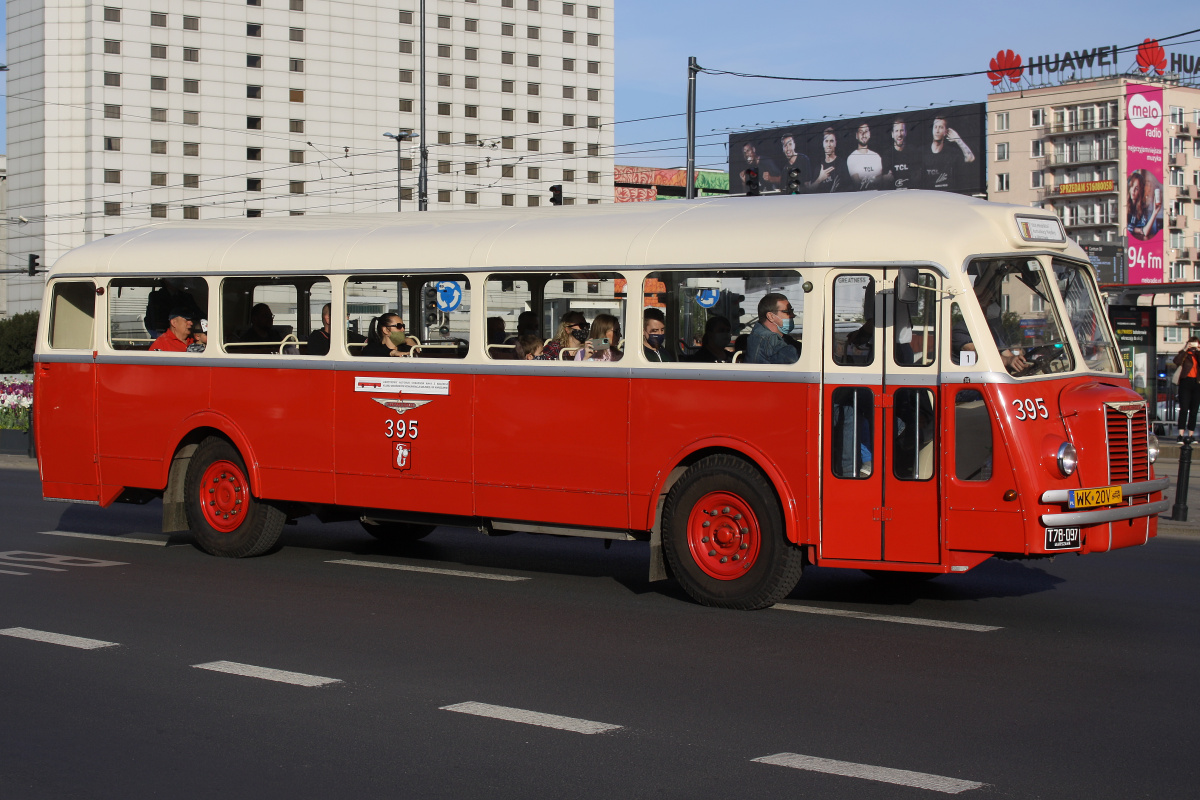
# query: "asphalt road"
495,674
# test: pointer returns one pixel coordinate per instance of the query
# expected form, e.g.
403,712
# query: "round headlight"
1067,460
1152,447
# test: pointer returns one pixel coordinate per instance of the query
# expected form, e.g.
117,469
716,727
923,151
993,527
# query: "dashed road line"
434,570
930,623
266,673
848,769
10,572
23,565
56,638
104,538
532,718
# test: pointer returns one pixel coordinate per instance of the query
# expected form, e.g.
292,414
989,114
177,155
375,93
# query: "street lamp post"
401,137
423,174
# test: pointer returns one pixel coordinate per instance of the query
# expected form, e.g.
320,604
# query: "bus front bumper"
1112,514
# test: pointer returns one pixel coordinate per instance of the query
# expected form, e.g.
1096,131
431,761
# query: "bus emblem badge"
403,456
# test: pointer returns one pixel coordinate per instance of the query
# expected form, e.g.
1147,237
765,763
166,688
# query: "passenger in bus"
386,337
715,346
170,296
318,340
654,335
529,347
495,330
262,328
601,344
770,342
199,337
572,333
178,335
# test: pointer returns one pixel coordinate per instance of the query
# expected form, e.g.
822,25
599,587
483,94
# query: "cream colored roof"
865,227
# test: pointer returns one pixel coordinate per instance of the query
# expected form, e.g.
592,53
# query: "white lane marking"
25,557
532,718
104,538
900,777
10,572
435,570
931,623
56,638
266,673
23,565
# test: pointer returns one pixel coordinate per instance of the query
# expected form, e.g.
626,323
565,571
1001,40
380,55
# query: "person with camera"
602,343
1188,362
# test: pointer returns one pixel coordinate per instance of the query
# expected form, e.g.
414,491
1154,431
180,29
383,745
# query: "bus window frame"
295,281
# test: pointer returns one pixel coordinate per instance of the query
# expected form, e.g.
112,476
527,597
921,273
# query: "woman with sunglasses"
386,337
572,333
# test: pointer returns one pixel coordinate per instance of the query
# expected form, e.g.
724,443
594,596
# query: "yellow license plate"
1090,498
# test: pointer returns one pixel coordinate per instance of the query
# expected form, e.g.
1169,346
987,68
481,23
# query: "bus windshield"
1019,306
1086,313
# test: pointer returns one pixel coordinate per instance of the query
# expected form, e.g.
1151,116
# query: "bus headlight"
1067,460
1152,447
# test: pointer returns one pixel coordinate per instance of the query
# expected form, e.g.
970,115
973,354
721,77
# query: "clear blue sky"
832,39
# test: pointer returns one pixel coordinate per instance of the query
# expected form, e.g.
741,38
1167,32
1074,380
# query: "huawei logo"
1006,64
1151,56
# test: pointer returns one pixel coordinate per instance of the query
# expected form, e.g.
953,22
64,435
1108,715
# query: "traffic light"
793,181
33,264
556,194
429,301
752,189
736,311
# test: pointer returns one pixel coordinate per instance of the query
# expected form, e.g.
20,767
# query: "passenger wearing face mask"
654,336
714,347
769,341
572,333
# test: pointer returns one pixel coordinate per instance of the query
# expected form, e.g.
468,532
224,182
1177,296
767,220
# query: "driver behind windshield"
987,292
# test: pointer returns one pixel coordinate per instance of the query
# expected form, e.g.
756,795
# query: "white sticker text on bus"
1031,409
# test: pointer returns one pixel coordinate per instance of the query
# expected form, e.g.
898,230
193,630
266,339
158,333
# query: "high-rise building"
124,112
1118,159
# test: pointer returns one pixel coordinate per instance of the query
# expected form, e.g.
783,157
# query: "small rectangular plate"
1063,539
1091,498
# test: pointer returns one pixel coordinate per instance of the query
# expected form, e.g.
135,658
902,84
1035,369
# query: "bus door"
879,501
66,395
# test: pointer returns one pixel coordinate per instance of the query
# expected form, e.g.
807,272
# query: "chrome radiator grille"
1127,458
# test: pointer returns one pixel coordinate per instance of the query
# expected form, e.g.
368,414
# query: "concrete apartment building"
1067,147
126,112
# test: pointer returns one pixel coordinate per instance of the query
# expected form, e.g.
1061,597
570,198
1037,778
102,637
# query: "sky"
800,38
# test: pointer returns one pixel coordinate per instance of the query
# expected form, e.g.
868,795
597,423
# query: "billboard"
935,148
1108,261
1144,182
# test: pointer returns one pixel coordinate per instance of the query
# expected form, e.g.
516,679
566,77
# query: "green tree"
17,336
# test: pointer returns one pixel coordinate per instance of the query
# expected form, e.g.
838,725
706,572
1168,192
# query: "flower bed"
16,402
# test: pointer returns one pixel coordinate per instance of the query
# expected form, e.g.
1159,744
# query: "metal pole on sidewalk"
1179,511
423,174
693,68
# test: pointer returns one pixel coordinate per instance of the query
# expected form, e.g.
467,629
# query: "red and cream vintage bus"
950,389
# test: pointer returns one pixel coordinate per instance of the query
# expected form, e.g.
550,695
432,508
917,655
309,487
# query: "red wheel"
226,519
723,535
223,490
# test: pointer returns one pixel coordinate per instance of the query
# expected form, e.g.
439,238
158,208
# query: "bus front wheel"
222,514
723,537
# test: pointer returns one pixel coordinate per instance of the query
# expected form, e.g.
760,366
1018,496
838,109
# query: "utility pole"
693,69
402,136
423,174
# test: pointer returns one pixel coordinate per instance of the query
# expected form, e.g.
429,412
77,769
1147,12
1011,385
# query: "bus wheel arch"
722,534
220,509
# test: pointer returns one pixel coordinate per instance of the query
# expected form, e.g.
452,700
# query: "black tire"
221,513
395,532
775,564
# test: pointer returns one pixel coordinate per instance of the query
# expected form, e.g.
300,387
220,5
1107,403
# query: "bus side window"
139,309
443,327
854,320
511,315
972,437
962,347
72,314
914,431
851,444
269,315
914,326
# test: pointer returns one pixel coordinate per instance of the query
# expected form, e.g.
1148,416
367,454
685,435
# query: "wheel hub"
223,492
723,535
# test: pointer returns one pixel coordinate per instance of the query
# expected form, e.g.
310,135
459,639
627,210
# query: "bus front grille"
1128,460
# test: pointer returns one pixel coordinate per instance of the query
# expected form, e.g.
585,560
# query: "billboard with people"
935,148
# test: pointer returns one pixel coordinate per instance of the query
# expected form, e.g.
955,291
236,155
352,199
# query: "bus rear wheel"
722,534
395,532
222,514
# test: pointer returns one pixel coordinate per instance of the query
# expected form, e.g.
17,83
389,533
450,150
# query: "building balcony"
1177,159
1090,222
1085,156
1182,128
1177,222
1185,254
1070,128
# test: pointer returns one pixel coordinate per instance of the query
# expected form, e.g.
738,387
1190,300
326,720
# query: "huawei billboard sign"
1009,66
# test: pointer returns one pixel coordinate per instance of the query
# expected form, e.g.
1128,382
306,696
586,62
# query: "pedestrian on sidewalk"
1188,362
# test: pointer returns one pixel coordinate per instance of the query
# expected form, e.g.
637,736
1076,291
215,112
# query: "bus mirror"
906,285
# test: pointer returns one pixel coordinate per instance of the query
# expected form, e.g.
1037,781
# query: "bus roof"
860,227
